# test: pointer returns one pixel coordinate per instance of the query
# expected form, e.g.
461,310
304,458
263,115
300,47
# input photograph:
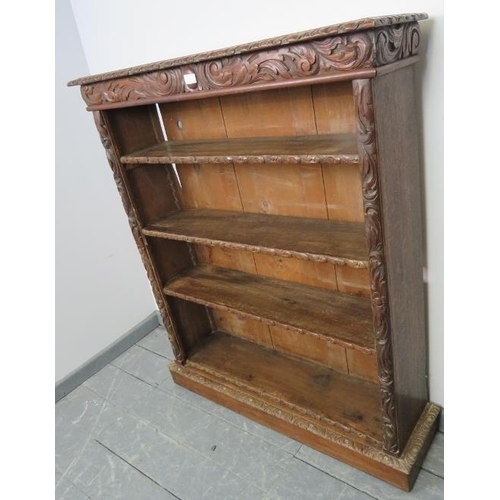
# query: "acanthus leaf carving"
334,30
295,60
300,60
376,258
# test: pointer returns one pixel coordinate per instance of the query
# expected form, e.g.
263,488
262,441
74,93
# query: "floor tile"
301,481
234,418
68,447
168,385
79,410
245,454
434,461
242,453
168,413
65,490
247,425
427,487
103,475
143,364
181,470
157,341
58,476
111,382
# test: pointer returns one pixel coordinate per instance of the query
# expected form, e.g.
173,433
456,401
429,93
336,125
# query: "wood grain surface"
336,397
331,148
306,238
242,326
341,318
402,224
309,348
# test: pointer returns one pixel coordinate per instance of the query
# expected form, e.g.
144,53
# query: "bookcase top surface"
348,27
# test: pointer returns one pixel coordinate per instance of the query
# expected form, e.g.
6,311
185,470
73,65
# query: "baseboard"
160,319
108,354
441,421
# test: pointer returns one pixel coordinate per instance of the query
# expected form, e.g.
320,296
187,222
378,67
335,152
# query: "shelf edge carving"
249,159
271,322
338,261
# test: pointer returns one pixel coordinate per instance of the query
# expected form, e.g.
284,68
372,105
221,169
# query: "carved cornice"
297,61
302,36
347,437
118,175
262,65
363,98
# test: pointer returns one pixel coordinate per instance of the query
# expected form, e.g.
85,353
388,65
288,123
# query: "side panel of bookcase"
388,144
397,136
126,130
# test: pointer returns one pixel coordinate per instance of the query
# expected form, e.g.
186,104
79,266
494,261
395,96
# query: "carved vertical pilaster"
367,141
119,175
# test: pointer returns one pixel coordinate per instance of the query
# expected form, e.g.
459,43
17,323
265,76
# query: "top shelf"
326,148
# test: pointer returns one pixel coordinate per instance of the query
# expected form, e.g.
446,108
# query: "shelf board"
308,389
327,148
342,243
336,317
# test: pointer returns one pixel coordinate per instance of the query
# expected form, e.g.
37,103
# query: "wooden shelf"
327,148
323,240
339,318
299,386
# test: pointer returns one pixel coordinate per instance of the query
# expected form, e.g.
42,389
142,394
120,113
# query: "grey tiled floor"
130,433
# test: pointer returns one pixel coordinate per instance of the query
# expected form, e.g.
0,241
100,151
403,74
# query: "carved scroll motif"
341,53
287,60
336,54
376,259
269,43
396,42
136,232
135,88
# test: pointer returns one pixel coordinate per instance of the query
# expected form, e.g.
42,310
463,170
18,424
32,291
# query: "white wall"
101,289
122,33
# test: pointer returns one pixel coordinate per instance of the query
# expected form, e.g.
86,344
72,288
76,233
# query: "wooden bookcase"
273,192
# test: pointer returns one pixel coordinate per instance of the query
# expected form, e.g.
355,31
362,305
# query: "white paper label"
189,78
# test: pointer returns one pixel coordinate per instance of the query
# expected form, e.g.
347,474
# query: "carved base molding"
313,429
